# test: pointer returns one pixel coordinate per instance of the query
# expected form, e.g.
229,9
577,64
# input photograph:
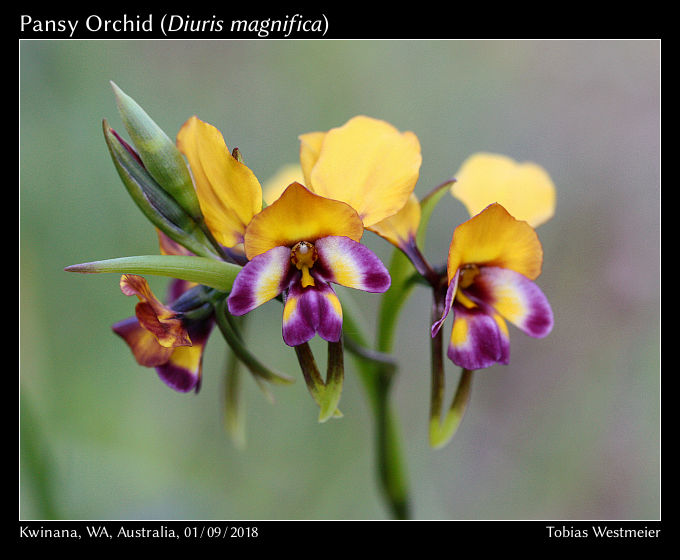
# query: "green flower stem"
376,371
437,370
234,409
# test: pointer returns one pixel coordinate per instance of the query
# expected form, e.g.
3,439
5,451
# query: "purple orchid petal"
348,263
311,310
515,297
478,340
262,279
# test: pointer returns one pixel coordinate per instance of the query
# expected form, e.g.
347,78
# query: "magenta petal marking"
311,310
260,280
515,297
477,341
299,319
348,263
330,313
178,378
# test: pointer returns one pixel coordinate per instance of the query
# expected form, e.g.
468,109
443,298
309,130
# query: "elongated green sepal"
159,153
325,394
442,430
209,272
158,206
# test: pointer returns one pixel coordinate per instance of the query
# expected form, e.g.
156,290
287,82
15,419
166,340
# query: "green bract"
161,157
158,206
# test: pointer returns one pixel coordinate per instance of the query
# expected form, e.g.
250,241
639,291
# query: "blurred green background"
569,430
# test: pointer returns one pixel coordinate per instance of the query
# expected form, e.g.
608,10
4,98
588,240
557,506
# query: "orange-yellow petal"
228,191
366,163
144,345
300,215
155,317
525,189
401,228
495,238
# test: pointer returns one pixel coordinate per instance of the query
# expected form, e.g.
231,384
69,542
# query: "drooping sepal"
443,429
326,393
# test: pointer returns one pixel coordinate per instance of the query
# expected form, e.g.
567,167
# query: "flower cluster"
232,245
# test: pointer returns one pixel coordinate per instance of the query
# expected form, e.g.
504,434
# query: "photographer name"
601,532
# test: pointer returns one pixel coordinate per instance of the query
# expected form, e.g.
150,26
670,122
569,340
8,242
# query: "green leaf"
160,155
209,272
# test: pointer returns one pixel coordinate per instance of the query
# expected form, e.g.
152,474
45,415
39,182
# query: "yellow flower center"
465,280
303,255
467,275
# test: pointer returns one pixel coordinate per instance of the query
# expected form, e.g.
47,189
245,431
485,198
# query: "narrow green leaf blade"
208,272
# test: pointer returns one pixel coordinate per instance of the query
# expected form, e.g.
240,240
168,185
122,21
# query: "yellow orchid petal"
300,215
366,163
310,148
273,188
401,228
525,190
228,192
495,238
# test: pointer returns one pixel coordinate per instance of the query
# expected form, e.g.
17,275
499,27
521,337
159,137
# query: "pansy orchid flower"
492,263
299,245
355,176
170,338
